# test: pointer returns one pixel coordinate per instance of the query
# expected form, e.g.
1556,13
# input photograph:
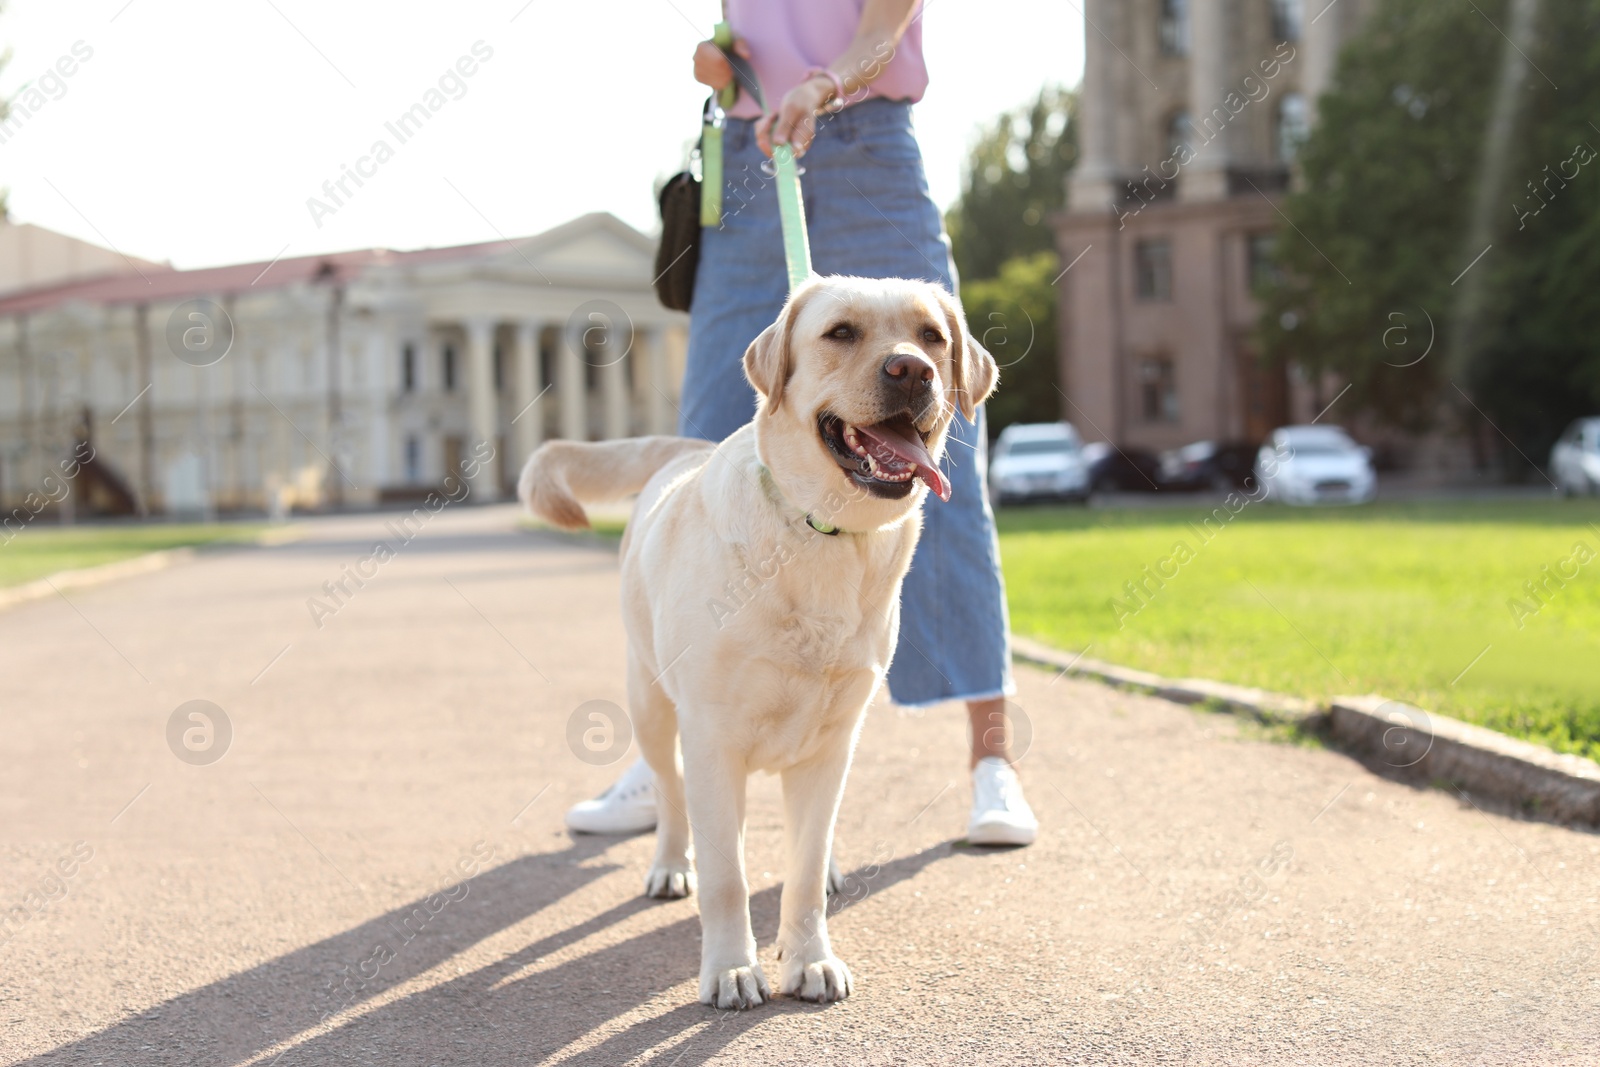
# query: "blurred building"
1190,115
342,379
32,256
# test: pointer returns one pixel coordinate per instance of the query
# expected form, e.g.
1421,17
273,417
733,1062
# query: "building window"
408,368
1294,125
413,460
1152,262
1264,271
1286,20
1180,132
449,359
1175,27
1158,390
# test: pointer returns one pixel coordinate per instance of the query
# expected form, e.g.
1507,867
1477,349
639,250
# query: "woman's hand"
795,121
711,66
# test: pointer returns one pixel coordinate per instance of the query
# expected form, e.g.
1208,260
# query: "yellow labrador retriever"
761,590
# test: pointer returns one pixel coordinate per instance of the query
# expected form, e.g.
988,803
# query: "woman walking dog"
852,69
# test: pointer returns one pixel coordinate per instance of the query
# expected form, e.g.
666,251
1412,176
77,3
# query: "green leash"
792,211
791,208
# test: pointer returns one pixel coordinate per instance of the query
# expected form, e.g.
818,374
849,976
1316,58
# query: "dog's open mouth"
884,458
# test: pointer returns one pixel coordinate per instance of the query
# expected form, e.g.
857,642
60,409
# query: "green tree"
1377,232
1540,364
1004,249
1014,317
1013,184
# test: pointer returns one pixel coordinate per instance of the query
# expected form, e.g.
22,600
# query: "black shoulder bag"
689,203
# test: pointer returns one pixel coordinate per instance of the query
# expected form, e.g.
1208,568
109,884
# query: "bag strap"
744,75
791,208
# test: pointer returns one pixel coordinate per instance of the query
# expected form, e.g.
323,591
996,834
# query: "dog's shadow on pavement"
692,1033
516,1010
236,1019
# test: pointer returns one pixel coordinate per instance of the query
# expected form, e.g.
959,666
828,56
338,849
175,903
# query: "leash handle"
711,132
711,165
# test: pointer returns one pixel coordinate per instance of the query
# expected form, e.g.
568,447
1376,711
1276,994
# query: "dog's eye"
842,332
932,336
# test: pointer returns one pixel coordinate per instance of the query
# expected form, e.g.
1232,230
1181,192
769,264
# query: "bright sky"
197,129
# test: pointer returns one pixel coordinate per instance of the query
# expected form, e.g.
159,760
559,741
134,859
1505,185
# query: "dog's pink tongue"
907,450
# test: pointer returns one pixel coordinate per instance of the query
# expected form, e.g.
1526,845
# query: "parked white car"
1038,460
1315,465
1575,459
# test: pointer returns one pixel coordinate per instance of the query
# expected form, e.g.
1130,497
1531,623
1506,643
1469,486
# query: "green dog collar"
822,527
775,495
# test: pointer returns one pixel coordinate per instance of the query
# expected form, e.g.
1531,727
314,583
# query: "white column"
281,475
1210,83
657,383
614,389
527,419
382,386
481,406
1091,185
206,441
675,342
573,389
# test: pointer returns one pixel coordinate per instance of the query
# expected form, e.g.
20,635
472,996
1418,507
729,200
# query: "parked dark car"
1219,465
1121,470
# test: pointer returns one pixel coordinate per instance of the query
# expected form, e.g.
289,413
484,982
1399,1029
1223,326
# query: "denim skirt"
868,213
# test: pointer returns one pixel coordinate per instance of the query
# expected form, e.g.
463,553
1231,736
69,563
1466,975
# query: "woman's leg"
990,730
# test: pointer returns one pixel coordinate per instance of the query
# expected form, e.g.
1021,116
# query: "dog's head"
859,381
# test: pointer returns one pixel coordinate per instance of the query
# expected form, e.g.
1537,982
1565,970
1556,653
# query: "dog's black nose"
909,368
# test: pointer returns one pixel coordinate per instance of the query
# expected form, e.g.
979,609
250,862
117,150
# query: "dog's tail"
561,476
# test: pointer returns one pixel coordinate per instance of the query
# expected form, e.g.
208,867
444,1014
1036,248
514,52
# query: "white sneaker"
1000,815
628,807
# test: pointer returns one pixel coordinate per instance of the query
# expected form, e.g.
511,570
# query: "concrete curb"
1269,707
1562,787
40,588
1408,740
149,563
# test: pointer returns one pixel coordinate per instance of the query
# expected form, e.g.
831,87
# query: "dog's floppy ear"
767,362
976,374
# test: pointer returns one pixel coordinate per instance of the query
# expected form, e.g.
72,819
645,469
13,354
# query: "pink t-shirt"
789,37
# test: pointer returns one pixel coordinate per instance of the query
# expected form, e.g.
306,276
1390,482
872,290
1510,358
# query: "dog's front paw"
736,987
835,884
669,882
820,980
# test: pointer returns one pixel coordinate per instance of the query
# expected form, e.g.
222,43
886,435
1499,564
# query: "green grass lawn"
39,550
1397,599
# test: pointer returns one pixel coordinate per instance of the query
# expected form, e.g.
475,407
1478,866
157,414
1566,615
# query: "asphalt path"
355,853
